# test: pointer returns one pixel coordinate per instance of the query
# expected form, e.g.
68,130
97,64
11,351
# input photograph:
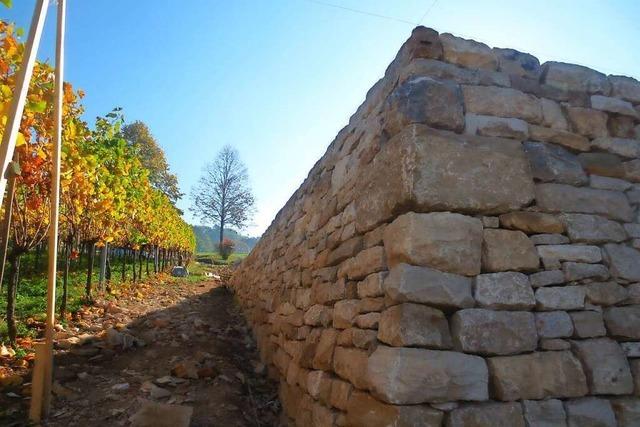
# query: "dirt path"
183,344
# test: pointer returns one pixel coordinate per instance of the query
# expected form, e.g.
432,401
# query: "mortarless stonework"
464,254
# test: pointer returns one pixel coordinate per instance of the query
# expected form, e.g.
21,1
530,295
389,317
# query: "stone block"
504,250
351,364
488,332
593,229
623,261
565,138
590,412
368,320
502,102
345,312
577,271
487,415
588,324
623,322
588,122
318,315
552,115
504,291
627,411
574,78
622,146
537,376
340,394
576,253
368,261
631,349
411,375
476,124
371,286
605,364
407,283
549,239
468,53
428,101
569,199
604,164
554,324
365,411
517,63
323,357
546,278
441,240
544,413
626,88
613,105
606,293
560,298
554,344
532,222
414,325
607,183
551,163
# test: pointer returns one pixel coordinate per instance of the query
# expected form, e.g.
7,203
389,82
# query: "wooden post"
20,92
103,265
37,382
5,228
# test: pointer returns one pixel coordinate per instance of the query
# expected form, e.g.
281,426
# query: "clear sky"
278,79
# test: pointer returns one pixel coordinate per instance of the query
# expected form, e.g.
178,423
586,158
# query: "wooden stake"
5,228
20,92
37,381
55,201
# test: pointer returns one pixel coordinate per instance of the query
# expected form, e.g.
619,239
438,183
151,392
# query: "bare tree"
222,196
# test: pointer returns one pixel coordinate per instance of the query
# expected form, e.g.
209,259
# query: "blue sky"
277,79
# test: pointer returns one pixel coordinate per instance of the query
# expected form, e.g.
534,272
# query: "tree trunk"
133,255
221,235
65,279
148,251
139,264
89,284
12,287
124,263
155,259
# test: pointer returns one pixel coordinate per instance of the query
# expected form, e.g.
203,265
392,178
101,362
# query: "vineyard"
110,207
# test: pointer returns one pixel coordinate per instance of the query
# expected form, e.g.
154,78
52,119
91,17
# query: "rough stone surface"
502,102
551,163
537,376
578,271
606,293
613,105
565,198
476,124
554,324
407,283
544,413
593,229
504,250
623,322
365,411
575,78
560,298
623,261
588,122
590,412
414,325
487,415
606,366
468,53
411,375
627,411
546,278
576,253
588,324
532,222
443,241
489,332
504,291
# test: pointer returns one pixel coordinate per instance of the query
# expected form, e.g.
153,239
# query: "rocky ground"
157,355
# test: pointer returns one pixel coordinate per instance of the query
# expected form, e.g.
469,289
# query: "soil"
173,342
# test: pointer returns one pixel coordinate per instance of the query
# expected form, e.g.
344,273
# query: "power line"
364,12
427,12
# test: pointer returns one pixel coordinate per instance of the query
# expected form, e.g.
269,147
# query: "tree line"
116,188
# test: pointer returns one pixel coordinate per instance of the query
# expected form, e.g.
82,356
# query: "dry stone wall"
464,254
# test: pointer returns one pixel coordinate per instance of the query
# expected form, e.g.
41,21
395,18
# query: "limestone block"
368,261
537,376
606,183
560,298
604,164
576,253
411,375
351,364
588,122
318,315
504,250
566,198
518,63
623,322
502,102
633,291
323,357
322,416
468,53
590,412
546,278
423,43
407,283
554,324
367,305
605,364
487,415
488,332
441,240
588,324
554,344
368,320
346,250
621,146
578,271
623,261
551,163
633,230
364,410
476,124
371,286
627,411
345,312
549,239
327,293
552,115
544,413
363,338
532,222
613,105
565,138
593,229
490,222
631,349
428,101
606,293
574,78
504,291
340,394
626,88
414,325
319,385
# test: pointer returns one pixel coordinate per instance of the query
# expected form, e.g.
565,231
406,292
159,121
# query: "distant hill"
207,239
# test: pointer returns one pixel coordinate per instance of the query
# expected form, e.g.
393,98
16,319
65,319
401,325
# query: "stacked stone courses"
466,252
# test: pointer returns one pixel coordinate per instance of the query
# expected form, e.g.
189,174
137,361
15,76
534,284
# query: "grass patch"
214,258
